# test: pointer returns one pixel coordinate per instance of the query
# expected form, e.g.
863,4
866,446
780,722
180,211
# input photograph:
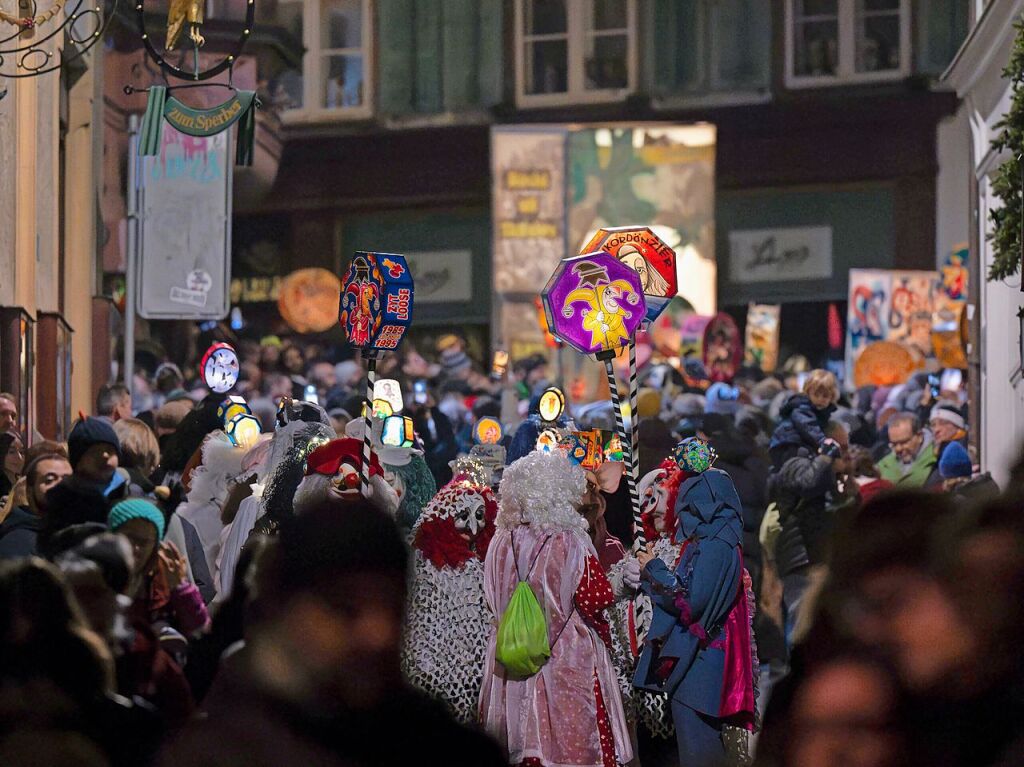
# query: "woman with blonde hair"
140,455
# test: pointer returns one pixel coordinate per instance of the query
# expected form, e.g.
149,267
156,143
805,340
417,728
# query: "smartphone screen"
499,364
419,391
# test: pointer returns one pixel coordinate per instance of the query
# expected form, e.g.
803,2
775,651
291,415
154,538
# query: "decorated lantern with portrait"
648,255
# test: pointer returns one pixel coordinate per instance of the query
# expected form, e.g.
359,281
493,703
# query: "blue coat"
707,579
801,424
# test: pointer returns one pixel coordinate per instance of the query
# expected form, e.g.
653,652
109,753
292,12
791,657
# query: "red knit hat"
327,459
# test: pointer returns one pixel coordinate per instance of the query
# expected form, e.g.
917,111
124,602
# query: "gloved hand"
830,448
631,573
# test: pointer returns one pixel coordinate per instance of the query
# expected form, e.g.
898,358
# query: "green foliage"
1008,184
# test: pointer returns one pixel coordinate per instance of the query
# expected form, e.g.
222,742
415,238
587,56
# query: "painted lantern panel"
376,301
648,255
594,303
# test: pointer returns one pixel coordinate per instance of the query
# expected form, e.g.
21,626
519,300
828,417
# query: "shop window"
574,51
838,42
334,81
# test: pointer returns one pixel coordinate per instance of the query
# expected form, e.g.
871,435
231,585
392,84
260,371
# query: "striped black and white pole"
634,418
371,381
639,539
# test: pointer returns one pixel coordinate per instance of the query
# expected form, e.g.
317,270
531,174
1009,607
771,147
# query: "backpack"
522,643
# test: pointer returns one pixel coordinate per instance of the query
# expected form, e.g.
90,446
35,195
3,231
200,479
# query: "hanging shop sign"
184,244
594,303
162,107
648,255
376,301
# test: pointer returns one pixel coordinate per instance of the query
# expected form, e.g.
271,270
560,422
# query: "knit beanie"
948,413
648,404
722,398
955,462
136,508
87,432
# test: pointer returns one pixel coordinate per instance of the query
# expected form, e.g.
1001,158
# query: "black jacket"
18,534
801,490
801,424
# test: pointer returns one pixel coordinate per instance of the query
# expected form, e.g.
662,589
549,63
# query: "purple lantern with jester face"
594,303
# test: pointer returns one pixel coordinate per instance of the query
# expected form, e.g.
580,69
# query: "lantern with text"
376,301
648,255
594,303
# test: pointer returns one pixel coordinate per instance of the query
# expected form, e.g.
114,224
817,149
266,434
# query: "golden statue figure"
180,12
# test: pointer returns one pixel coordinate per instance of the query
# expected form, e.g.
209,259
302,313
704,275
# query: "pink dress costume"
568,714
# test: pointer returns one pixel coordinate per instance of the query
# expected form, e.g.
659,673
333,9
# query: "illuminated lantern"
552,404
390,391
594,303
243,430
376,301
220,368
548,441
398,432
487,431
584,448
232,406
613,449
382,408
648,255
694,455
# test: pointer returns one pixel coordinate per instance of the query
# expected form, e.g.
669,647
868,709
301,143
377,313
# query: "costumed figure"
302,427
332,476
195,527
524,441
568,711
405,469
632,612
448,622
699,648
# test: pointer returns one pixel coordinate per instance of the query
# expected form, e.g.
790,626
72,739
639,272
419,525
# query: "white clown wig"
544,490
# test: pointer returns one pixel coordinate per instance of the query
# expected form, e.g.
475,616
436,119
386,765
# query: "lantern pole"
370,355
626,437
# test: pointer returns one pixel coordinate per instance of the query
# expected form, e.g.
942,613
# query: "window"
334,81
835,42
574,51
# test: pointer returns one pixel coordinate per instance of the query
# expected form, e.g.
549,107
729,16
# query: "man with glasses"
912,458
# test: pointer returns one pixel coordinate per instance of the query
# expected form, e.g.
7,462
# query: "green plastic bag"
522,646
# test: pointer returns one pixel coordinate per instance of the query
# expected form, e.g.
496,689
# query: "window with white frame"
335,79
832,42
574,51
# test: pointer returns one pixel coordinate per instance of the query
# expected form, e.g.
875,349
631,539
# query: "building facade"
52,314
825,114
997,412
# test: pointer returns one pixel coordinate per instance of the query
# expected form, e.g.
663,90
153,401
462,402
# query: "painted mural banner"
715,341
762,336
648,255
914,309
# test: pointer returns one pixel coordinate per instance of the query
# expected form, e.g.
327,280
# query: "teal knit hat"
136,508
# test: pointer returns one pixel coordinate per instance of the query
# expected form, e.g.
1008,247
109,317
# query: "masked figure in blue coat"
699,647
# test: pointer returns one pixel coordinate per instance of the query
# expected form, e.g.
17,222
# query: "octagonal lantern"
594,303
646,253
376,301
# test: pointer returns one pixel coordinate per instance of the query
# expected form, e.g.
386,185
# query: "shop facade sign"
780,255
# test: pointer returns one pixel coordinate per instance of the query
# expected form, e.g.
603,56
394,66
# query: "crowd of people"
819,577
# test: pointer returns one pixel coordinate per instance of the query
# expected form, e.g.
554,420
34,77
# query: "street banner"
762,336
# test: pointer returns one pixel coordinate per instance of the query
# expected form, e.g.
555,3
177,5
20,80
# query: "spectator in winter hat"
957,473
723,399
93,450
948,427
